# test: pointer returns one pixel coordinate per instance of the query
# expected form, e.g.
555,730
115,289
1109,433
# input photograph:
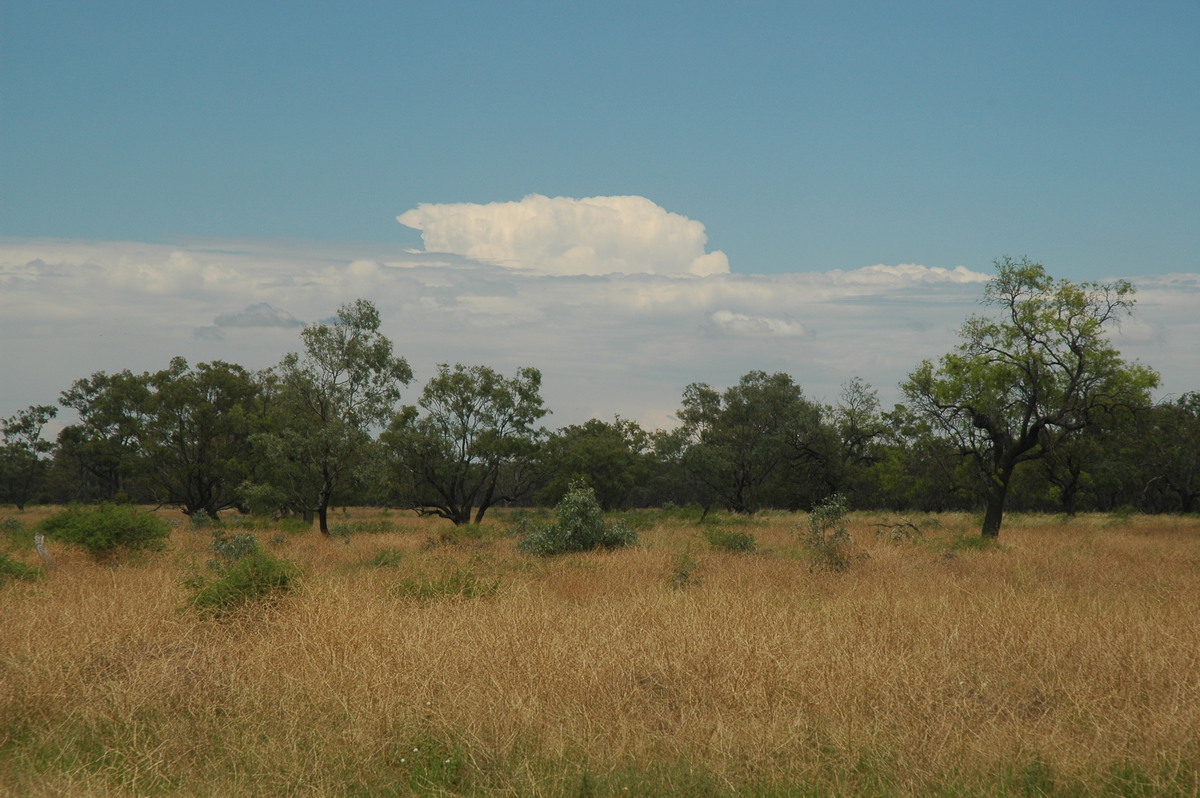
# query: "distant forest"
1033,410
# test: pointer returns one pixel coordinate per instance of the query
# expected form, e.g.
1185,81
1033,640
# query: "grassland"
1066,661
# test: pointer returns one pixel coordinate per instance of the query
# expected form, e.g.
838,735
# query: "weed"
231,548
684,572
255,577
15,569
829,549
723,539
385,558
454,584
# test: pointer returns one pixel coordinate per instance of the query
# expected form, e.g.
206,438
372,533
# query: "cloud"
562,235
752,326
623,344
261,315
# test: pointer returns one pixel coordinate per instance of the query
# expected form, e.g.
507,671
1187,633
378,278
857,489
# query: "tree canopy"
1020,385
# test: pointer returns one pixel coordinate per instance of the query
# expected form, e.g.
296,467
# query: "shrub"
829,549
579,526
231,548
256,577
684,572
105,529
15,569
456,583
726,540
385,558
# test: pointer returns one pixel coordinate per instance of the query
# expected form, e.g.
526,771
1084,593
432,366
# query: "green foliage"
470,444
613,458
829,545
579,526
107,528
322,405
231,548
254,578
15,569
1020,386
385,558
457,583
723,539
759,436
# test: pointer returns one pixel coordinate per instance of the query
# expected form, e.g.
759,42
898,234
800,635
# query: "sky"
629,196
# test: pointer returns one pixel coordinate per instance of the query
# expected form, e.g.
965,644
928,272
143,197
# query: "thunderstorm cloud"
562,235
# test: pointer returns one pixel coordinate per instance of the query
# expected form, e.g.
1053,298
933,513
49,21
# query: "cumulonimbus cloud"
563,235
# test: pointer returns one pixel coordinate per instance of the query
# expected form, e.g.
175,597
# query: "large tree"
323,405
195,434
612,458
739,440
471,443
1020,385
101,452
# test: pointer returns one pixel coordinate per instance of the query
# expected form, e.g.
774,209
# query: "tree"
740,439
1019,386
195,434
101,451
322,406
471,443
611,458
22,463
1171,453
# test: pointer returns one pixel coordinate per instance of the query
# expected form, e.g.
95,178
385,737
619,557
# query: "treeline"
1040,389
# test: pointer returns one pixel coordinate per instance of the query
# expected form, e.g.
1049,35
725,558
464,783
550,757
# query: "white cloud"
731,323
562,235
621,343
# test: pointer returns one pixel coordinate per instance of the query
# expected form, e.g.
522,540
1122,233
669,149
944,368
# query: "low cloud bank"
617,343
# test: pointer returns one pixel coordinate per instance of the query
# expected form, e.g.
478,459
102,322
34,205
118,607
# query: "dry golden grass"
1065,662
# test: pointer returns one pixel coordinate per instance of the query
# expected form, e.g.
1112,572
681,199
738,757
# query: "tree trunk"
323,516
994,504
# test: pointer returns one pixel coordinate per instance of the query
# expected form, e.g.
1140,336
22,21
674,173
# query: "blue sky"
805,139
804,136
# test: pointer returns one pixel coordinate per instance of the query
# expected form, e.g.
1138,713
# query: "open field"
1066,661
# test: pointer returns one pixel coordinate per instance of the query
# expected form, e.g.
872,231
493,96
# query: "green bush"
829,549
15,569
726,540
107,528
256,577
454,584
579,526
385,558
231,548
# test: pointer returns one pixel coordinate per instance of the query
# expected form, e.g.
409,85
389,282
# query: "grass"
1065,661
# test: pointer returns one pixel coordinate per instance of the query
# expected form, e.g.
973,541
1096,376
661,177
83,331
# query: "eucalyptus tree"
323,406
23,453
1019,385
470,442
738,440
612,458
195,434
101,451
